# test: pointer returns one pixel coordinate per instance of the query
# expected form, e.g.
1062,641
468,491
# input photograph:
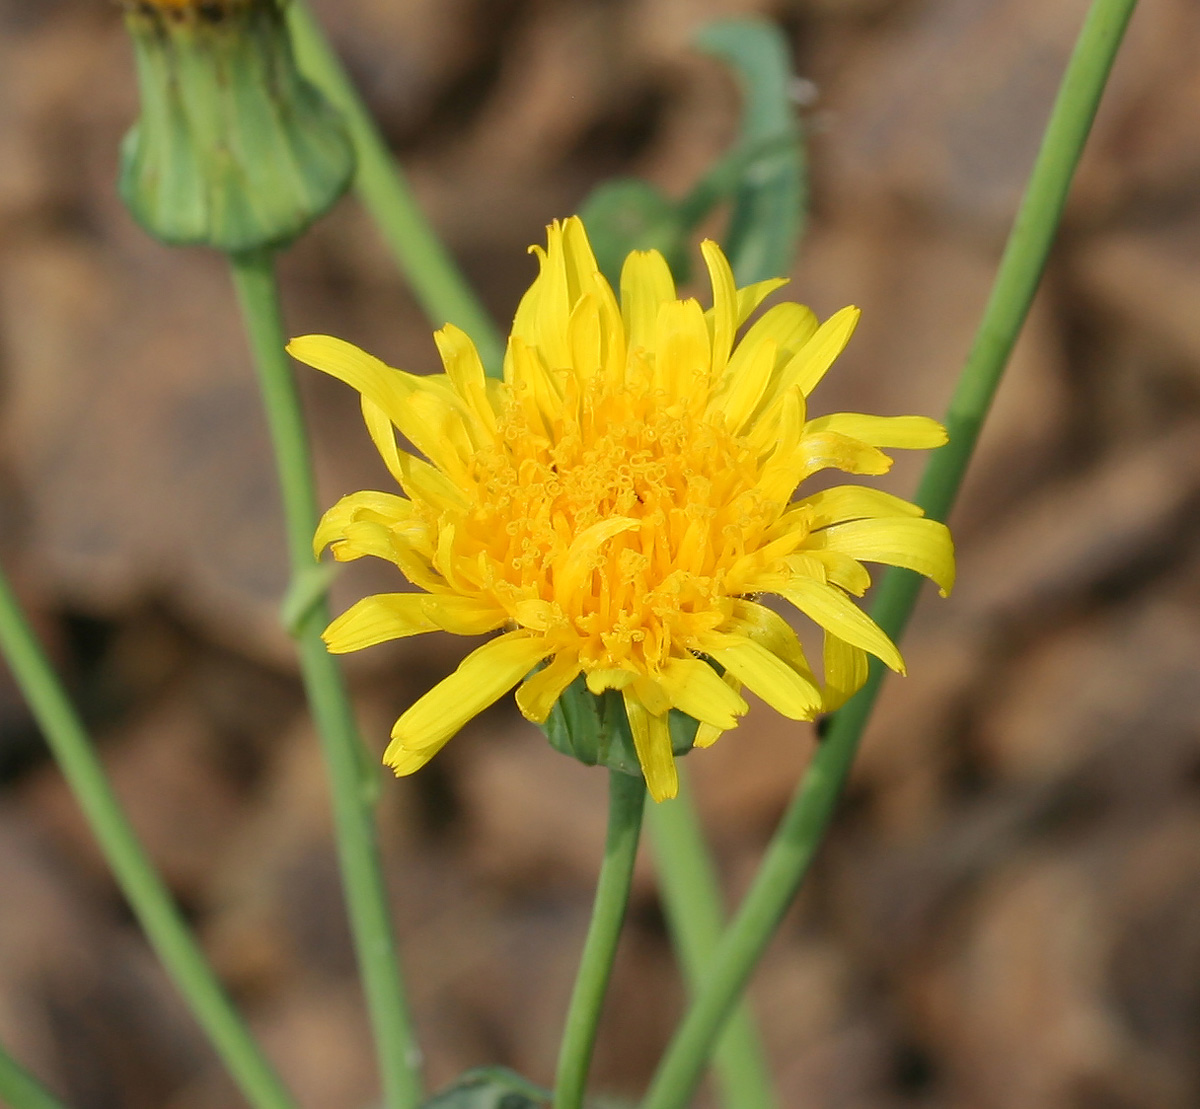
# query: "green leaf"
627,214
762,177
490,1088
769,200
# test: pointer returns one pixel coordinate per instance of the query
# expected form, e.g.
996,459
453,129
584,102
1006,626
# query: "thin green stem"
804,824
693,902
626,799
436,281
20,1090
353,793
135,874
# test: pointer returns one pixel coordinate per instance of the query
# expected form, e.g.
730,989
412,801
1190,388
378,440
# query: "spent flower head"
620,502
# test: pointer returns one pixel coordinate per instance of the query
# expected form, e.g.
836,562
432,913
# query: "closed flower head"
620,502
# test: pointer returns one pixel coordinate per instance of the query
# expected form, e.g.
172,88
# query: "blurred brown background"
1008,911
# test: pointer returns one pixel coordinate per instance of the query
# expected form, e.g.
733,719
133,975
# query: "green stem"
353,808
804,824
692,898
135,874
626,799
20,1090
436,281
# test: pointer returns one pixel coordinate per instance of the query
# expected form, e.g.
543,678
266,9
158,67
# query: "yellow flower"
620,501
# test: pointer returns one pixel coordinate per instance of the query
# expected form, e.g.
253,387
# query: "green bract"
234,148
594,729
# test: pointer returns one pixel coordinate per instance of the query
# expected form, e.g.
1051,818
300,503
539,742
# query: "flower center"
551,495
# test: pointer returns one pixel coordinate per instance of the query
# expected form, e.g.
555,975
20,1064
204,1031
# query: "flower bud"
234,148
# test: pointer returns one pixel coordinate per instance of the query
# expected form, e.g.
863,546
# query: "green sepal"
233,148
594,729
490,1088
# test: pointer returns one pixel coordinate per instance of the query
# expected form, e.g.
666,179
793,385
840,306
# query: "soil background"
1007,912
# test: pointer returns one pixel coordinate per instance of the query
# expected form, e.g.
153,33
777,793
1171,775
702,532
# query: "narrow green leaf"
769,201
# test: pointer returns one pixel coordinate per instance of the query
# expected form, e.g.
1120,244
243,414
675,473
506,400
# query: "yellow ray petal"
464,615
465,371
724,313
581,559
850,502
768,629
905,432
584,335
423,482
417,406
332,525
579,263
740,392
696,688
600,680
785,467
832,609
913,542
484,676
646,283
384,616
403,761
553,306
681,348
813,360
841,570
824,450
766,431
707,734
537,695
845,671
751,296
524,326
383,434
440,433
364,537
790,325
829,450
377,619
652,740
391,391
534,385
651,694
407,547
766,674
386,386
612,332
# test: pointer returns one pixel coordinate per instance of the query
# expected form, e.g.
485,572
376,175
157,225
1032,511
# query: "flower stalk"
145,891
436,281
353,795
20,1090
696,917
693,900
627,795
808,816
237,151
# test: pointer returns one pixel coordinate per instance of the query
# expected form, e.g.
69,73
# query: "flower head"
234,148
620,501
